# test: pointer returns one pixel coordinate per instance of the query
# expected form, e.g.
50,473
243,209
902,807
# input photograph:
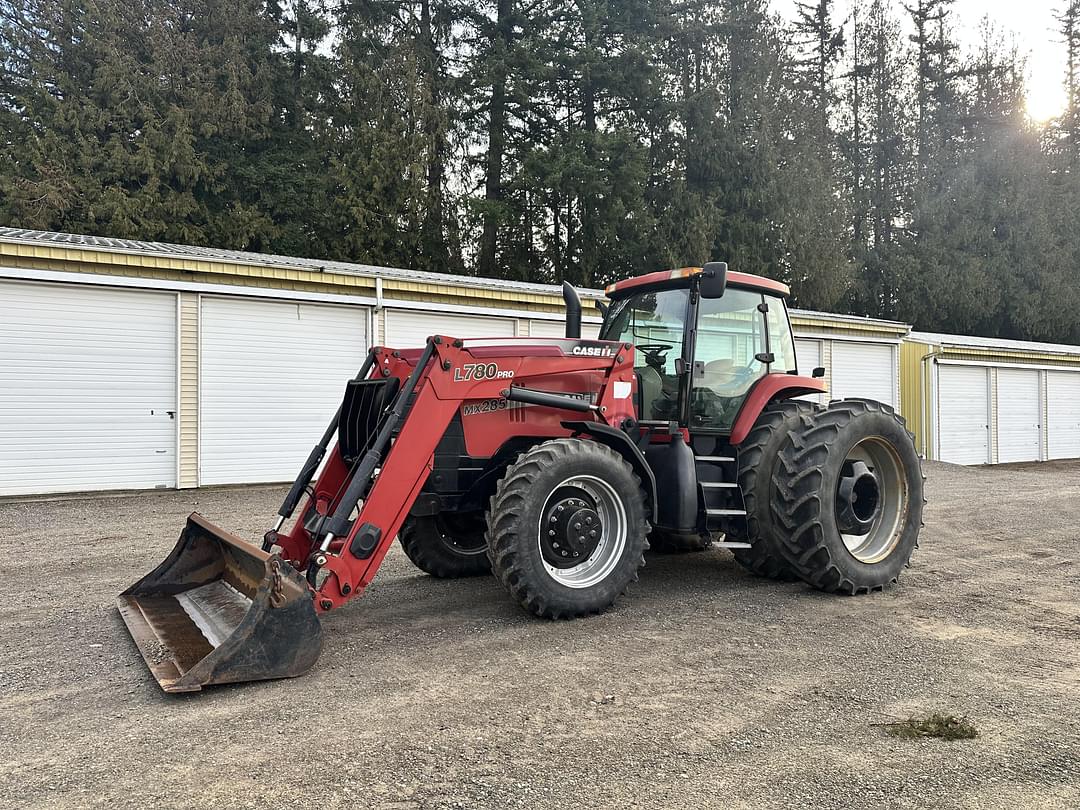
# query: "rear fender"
769,388
621,443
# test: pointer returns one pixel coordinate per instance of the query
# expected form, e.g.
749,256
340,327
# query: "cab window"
780,342
730,336
654,323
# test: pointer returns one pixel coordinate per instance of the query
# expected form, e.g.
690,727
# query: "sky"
1033,24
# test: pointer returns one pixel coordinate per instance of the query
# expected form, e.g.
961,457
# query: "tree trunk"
589,257
856,113
493,190
432,242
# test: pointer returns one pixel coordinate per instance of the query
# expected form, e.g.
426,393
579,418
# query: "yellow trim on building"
188,394
987,355
825,326
914,391
128,265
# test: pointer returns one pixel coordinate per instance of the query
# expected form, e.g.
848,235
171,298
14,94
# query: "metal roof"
1001,344
171,251
167,250
854,320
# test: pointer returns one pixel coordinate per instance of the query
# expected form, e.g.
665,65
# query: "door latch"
697,369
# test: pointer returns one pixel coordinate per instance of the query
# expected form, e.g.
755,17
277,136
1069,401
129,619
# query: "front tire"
567,528
445,545
848,497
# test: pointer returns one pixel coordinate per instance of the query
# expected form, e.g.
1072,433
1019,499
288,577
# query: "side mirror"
818,372
713,280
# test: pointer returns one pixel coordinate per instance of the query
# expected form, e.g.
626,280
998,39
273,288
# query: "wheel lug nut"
551,532
577,525
592,533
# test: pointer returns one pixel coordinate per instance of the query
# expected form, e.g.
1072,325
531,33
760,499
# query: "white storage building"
134,365
975,400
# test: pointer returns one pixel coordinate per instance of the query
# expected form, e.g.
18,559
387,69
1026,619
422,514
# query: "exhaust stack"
573,310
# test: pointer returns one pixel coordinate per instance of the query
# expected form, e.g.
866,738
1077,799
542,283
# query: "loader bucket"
220,610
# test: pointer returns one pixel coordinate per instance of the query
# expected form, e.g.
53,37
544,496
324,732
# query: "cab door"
740,338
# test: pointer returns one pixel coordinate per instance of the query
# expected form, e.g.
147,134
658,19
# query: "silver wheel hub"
871,500
582,531
858,498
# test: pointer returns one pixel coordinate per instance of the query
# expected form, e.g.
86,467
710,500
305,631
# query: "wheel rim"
871,500
463,535
588,504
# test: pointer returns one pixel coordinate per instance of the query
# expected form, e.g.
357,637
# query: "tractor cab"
704,338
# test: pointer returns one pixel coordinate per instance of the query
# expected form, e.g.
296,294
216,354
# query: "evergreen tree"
387,137
542,141
1069,124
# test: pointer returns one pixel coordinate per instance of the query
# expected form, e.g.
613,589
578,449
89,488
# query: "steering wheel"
654,352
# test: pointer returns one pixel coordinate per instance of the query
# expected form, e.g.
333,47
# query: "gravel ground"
705,687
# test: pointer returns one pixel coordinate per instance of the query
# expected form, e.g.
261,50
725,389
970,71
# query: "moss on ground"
938,726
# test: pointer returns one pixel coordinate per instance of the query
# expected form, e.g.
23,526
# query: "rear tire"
848,497
542,513
446,546
759,456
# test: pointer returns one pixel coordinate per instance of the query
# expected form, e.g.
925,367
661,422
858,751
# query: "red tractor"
553,463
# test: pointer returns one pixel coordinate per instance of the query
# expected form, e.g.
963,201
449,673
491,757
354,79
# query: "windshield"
653,322
649,319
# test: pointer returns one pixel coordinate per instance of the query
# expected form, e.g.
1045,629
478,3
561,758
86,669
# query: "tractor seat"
725,378
650,387
657,394
725,364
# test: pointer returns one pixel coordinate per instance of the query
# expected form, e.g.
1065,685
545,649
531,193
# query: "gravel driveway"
705,687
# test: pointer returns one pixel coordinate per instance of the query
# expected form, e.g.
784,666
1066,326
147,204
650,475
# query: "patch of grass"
936,725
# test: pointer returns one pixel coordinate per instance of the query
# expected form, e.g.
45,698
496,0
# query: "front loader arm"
452,374
389,501
219,610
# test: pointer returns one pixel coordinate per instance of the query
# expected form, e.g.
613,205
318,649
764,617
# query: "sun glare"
1045,100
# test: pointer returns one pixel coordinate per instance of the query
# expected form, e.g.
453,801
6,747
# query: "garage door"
963,415
1063,414
547,328
1019,429
539,328
87,388
272,375
808,356
408,328
866,370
